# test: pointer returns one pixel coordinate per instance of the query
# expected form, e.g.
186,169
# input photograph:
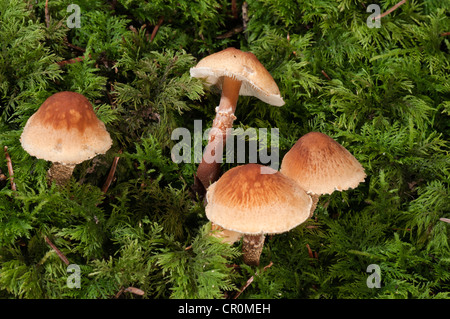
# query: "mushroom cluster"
65,131
248,201
252,200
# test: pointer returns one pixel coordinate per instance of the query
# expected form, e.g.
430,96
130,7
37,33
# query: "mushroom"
65,131
236,73
320,165
254,200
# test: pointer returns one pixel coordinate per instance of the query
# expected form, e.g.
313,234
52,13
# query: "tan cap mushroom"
320,165
241,66
253,203
236,73
65,131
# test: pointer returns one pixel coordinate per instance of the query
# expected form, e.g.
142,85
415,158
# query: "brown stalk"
326,75
47,14
245,15
121,290
71,61
390,10
208,170
230,33
10,168
58,252
234,11
252,246
250,280
111,173
310,253
156,28
73,46
133,290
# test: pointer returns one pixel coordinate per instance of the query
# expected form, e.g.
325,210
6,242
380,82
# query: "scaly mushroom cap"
320,165
250,202
243,66
65,129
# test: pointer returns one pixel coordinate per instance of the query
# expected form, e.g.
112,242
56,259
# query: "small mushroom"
65,131
247,201
320,165
236,73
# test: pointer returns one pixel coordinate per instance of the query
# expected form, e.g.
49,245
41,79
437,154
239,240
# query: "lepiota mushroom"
320,165
65,131
253,203
236,73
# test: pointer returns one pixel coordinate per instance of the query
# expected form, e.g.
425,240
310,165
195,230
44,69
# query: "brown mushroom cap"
65,129
243,66
320,165
249,202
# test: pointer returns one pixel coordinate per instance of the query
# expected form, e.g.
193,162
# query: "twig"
230,33
447,220
132,28
312,254
119,292
155,29
10,168
73,46
245,15
326,75
250,280
444,34
133,290
390,10
47,15
267,266
60,254
309,251
111,173
234,11
71,61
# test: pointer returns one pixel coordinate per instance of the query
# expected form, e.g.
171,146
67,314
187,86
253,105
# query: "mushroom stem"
60,173
208,170
315,200
252,246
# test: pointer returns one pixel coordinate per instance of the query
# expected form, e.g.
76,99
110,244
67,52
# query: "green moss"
383,93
